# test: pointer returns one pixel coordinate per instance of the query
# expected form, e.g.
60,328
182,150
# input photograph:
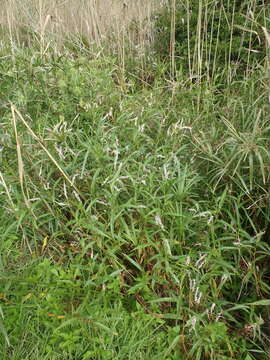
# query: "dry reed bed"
94,19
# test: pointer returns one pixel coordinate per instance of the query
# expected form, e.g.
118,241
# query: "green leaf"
133,262
173,344
2,328
265,302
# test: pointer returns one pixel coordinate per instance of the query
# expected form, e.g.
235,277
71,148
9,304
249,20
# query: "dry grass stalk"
19,157
15,112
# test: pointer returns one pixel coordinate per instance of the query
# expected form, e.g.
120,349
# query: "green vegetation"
135,211
206,37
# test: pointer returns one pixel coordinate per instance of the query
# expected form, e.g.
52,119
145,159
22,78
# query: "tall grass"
93,19
213,36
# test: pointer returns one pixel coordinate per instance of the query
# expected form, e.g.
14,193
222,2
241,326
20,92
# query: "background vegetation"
134,180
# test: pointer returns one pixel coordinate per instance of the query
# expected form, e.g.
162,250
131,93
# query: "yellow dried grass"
94,19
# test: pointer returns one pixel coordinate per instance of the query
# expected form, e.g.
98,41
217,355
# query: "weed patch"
134,214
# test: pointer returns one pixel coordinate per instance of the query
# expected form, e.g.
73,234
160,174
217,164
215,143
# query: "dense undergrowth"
204,38
134,210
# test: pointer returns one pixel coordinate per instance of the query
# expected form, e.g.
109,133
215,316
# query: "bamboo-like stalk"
172,39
